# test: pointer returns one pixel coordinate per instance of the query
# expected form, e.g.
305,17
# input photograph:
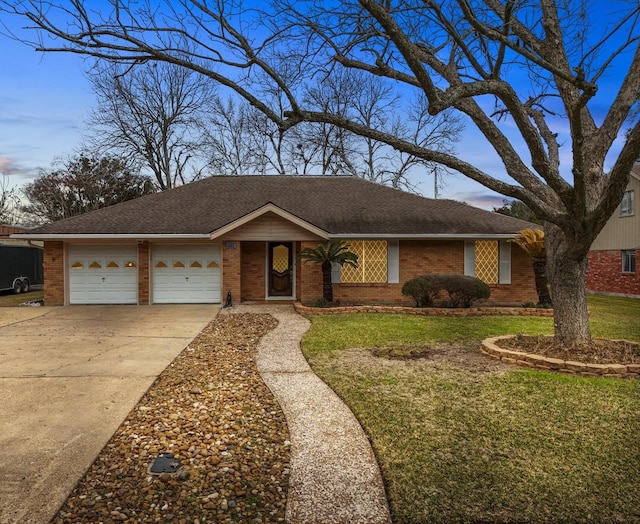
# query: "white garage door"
104,274
186,274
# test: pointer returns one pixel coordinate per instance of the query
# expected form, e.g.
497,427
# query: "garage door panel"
103,274
187,274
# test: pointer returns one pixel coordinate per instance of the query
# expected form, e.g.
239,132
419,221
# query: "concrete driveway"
68,378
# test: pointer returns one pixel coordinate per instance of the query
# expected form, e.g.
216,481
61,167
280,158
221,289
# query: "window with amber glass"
372,262
488,261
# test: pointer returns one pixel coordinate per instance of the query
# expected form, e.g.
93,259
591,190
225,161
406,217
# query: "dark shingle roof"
337,205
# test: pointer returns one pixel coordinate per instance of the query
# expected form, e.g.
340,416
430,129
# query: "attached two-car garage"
109,273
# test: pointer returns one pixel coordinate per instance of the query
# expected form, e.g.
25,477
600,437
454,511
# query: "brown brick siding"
7,231
523,286
605,275
231,270
53,261
310,277
298,264
243,273
144,282
253,270
419,258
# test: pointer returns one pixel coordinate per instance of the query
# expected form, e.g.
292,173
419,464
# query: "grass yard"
462,438
10,299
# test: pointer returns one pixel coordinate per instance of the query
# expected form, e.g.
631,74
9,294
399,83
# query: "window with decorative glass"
372,262
488,261
629,261
626,206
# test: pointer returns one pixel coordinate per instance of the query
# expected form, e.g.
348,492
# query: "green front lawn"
462,438
10,299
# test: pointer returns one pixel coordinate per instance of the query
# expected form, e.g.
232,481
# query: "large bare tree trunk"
567,266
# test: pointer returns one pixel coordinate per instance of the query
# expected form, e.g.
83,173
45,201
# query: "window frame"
362,265
504,261
627,204
628,257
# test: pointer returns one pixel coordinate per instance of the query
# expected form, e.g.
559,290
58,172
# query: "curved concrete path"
334,474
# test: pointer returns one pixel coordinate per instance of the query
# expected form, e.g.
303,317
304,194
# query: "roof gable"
262,212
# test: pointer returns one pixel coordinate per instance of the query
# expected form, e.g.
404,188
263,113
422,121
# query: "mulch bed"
210,409
598,352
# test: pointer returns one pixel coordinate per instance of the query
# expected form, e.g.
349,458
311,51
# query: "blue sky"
45,99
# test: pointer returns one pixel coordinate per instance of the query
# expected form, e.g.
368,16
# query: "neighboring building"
241,234
612,259
6,231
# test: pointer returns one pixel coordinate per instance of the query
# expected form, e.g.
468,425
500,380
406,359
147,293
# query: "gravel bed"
211,409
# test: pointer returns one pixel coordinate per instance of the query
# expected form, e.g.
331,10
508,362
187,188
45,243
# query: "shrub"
463,290
320,302
423,289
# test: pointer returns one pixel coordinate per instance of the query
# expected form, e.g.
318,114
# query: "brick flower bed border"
509,356
489,346
426,311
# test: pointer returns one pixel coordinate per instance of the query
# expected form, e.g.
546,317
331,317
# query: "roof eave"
110,236
426,236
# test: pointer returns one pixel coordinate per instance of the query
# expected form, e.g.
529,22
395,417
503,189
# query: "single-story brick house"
241,234
612,268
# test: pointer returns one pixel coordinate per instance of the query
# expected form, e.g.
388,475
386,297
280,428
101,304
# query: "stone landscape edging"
531,360
489,346
427,311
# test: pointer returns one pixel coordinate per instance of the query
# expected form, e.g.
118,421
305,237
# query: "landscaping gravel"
211,409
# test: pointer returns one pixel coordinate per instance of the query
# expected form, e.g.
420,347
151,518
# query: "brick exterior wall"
7,231
298,265
231,270
243,273
53,261
605,275
420,258
523,286
309,277
253,270
144,281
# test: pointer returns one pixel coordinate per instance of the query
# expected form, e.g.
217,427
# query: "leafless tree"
8,201
510,67
155,115
242,141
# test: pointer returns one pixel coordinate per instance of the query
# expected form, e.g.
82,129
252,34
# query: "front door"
280,269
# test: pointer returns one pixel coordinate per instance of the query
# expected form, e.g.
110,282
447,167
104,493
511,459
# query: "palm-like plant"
326,256
532,241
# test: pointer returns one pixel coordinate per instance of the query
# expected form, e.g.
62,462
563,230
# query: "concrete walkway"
334,474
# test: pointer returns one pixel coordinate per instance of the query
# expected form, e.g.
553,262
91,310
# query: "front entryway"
280,269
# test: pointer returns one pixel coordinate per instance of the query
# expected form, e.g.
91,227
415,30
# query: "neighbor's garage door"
186,274
104,274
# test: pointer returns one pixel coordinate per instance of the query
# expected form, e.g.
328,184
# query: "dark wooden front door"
280,269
